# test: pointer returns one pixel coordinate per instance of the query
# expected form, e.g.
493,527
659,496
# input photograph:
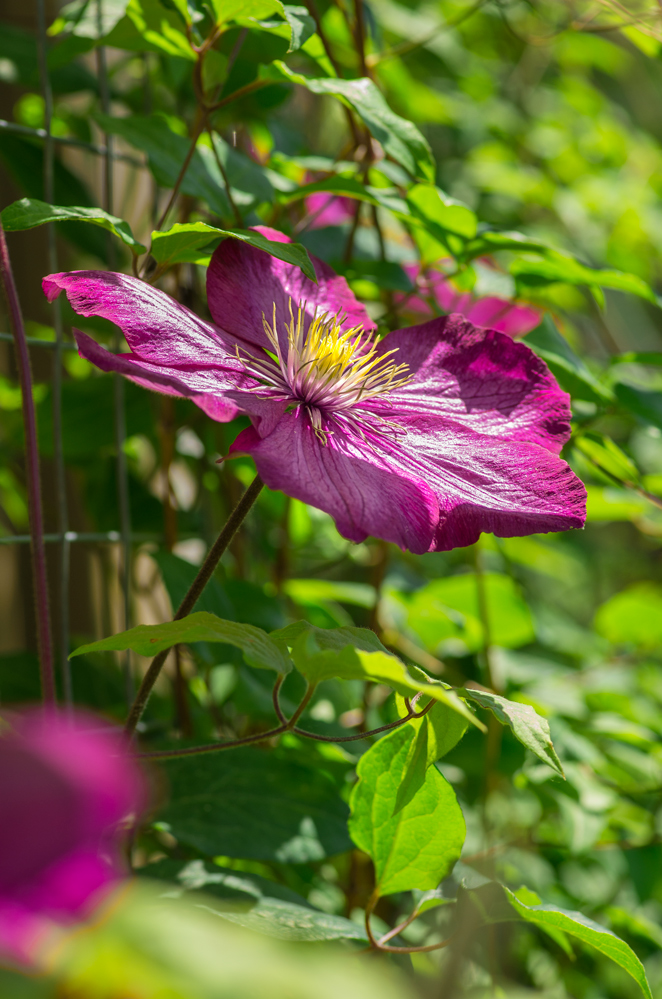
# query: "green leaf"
29,212
569,370
302,26
149,26
256,805
557,267
497,904
608,457
644,404
150,639
233,10
400,138
633,616
166,151
252,901
349,187
182,241
448,609
306,591
576,925
440,213
319,660
89,19
434,735
525,724
610,503
416,846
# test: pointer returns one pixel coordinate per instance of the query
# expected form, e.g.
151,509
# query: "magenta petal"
157,328
356,486
243,284
481,379
329,209
205,386
484,484
66,784
499,314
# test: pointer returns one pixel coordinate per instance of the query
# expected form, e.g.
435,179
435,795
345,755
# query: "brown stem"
359,33
188,603
378,945
242,92
277,708
364,735
40,579
198,129
349,247
213,747
219,163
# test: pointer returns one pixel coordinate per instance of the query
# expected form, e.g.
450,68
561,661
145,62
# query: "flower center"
325,368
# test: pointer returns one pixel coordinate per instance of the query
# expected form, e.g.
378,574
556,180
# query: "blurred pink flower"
490,312
65,786
329,209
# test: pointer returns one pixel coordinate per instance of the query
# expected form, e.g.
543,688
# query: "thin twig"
40,579
205,573
378,945
219,163
364,735
198,129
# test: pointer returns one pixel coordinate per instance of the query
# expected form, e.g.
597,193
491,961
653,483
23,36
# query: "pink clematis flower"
424,438
491,312
329,209
64,786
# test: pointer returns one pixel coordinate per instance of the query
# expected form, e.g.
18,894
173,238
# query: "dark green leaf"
29,213
166,151
257,805
399,137
642,403
254,902
571,372
302,26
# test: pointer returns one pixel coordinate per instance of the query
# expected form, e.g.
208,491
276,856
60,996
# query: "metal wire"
56,392
34,342
118,398
66,140
111,537
65,537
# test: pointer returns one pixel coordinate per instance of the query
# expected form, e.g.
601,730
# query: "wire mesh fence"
57,348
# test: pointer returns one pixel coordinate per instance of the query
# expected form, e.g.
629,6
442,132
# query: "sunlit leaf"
434,735
633,616
29,212
150,639
185,240
608,457
524,722
416,846
352,663
496,903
